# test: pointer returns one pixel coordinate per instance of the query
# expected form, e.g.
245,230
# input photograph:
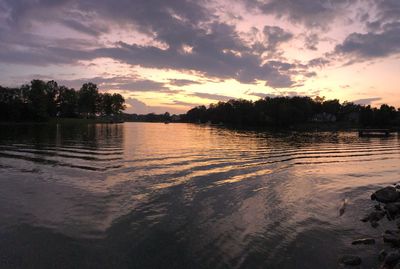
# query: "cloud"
383,36
283,94
312,13
133,84
366,101
275,36
182,82
312,41
182,103
136,106
211,96
192,36
388,9
361,47
80,27
261,95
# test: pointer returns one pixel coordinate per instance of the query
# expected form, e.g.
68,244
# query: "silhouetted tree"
52,92
41,100
285,111
67,101
118,103
88,97
38,99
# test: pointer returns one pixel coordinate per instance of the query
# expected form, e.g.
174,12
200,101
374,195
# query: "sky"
171,55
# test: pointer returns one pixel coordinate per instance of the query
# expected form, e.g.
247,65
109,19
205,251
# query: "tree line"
40,100
287,111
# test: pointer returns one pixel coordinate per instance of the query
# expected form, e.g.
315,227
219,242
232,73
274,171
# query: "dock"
374,132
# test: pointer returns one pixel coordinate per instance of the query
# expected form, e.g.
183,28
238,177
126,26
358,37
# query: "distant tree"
88,97
38,99
52,92
105,104
197,114
67,101
118,103
385,115
331,106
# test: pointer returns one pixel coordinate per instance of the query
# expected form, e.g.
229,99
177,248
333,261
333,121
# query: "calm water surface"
142,195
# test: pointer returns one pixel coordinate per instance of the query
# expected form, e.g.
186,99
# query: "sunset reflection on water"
151,195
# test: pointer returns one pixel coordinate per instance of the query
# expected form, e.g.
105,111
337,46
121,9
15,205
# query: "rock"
392,258
393,232
392,239
378,207
364,241
386,195
382,255
374,224
398,224
393,208
365,218
350,260
397,186
374,216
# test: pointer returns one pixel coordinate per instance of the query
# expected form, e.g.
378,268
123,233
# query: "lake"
151,195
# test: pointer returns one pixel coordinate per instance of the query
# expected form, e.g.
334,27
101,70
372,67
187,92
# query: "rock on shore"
390,198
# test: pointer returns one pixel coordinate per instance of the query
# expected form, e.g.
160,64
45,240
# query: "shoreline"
386,206
62,121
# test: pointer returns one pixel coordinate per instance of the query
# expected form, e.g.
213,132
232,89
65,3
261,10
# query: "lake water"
149,195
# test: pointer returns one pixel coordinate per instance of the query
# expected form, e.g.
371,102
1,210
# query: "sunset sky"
171,55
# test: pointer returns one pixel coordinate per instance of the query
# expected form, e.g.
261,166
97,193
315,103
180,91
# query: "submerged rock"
364,241
382,255
392,239
374,224
386,195
350,260
374,216
393,209
392,258
393,232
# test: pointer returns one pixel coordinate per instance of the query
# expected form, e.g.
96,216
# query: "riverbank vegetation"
293,111
41,101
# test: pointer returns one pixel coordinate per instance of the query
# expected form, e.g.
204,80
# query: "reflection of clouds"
224,197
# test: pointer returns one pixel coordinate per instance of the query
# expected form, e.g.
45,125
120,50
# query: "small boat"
374,132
